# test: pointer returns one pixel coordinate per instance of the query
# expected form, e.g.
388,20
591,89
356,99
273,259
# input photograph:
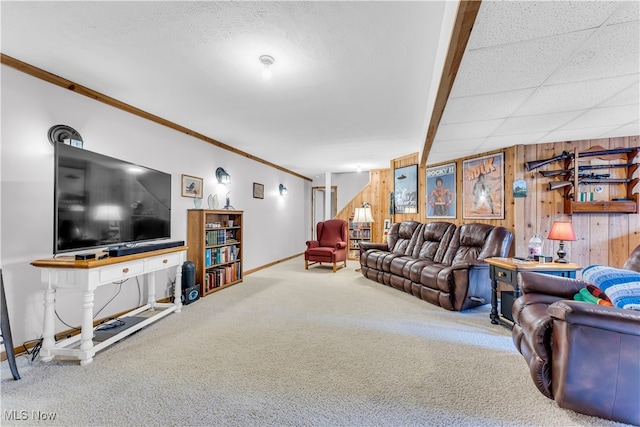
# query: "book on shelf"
220,276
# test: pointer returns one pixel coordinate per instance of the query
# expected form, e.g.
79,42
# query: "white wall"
348,185
274,227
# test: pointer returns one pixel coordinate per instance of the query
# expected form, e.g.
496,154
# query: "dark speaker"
506,303
190,295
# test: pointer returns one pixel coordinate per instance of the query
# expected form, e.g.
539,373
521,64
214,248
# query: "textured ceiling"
537,72
353,82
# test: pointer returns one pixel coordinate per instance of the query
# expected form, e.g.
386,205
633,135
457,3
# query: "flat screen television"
101,201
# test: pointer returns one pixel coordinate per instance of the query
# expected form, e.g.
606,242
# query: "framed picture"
192,186
483,187
441,191
405,189
258,191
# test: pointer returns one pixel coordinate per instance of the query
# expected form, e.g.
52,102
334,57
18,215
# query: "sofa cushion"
620,285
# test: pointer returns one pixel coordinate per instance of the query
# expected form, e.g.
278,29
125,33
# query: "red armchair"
331,246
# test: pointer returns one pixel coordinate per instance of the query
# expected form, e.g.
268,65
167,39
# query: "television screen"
102,201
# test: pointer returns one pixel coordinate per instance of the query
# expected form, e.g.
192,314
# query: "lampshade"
363,215
109,213
561,230
283,190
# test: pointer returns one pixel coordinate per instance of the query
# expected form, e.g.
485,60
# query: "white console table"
86,276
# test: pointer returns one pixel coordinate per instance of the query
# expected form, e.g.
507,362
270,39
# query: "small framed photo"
258,191
192,186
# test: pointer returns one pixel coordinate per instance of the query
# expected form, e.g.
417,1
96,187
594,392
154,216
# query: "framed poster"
441,191
191,186
258,191
405,189
483,187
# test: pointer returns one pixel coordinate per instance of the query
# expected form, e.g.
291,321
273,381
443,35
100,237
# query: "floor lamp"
363,215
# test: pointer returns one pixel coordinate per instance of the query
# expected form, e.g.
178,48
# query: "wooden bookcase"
358,232
214,238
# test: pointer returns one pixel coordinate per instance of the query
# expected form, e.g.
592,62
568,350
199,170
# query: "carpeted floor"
289,347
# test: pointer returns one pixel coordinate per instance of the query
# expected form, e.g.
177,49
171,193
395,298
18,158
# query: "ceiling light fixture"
267,61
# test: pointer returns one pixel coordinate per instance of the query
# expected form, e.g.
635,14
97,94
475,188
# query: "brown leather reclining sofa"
584,356
438,262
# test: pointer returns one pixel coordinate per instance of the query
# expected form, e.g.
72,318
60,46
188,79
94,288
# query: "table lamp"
561,230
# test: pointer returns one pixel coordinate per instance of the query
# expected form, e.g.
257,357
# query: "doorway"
318,204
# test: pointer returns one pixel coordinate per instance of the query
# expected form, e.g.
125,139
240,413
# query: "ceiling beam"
465,19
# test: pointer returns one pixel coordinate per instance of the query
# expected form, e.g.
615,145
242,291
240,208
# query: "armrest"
550,285
596,316
365,246
312,244
341,245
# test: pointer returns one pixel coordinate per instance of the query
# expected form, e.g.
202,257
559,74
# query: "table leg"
48,329
177,291
86,336
494,301
151,290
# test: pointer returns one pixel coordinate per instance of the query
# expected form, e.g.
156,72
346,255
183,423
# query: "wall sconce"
222,176
59,134
283,190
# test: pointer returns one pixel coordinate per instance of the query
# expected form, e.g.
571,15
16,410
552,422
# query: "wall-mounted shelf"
572,203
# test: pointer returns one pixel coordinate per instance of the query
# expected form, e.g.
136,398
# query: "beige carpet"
289,347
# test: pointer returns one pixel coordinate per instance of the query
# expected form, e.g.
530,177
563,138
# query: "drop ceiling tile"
497,142
614,44
626,130
606,116
626,11
467,130
577,134
514,66
538,123
514,21
628,96
573,96
446,157
484,107
468,144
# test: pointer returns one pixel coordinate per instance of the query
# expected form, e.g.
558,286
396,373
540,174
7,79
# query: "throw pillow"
621,286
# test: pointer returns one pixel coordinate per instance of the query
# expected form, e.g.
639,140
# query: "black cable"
35,350
112,298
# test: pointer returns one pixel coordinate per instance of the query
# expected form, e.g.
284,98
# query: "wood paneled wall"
602,238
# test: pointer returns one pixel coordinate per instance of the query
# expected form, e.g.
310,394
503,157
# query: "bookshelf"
358,232
214,239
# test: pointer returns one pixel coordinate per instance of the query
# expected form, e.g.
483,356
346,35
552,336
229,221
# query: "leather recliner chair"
584,356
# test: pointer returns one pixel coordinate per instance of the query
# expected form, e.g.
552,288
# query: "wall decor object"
441,191
191,186
258,191
483,187
519,188
405,189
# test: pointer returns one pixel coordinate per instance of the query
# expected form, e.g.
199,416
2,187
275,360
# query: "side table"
506,270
